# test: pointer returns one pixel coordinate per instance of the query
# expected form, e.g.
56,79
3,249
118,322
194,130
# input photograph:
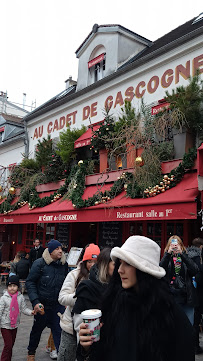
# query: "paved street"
20,348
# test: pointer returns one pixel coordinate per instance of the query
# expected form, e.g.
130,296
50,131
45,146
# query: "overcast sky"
39,38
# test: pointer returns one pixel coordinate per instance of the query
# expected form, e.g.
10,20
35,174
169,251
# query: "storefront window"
40,231
136,228
44,232
174,228
29,235
154,231
50,232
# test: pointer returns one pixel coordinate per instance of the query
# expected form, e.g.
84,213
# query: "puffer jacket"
5,302
188,270
45,280
66,298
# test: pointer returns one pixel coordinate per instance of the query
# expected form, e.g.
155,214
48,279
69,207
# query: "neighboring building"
12,136
115,64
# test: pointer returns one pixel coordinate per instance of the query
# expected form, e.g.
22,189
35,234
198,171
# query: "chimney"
70,82
24,100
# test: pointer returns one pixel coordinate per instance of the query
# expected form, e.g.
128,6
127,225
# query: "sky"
39,38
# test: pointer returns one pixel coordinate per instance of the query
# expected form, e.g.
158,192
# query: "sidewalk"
22,339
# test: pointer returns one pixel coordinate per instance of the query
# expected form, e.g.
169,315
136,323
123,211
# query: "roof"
180,33
111,27
171,40
178,202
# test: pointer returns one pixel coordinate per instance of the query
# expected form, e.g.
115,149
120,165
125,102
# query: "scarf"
14,309
177,263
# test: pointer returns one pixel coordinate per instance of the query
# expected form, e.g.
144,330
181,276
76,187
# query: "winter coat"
195,253
5,302
89,295
35,254
22,268
45,280
66,298
188,270
120,334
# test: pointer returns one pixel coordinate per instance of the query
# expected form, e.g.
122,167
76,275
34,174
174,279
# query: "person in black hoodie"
140,319
179,271
89,292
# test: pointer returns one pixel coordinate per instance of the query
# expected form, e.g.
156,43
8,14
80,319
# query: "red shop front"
172,212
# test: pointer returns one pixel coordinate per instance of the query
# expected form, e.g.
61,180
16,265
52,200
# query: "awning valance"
176,203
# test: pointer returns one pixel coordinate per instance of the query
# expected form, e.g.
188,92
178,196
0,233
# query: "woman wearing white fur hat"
140,320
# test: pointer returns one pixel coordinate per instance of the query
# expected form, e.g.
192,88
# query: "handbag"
179,283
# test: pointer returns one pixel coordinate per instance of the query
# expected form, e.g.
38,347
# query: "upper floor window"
97,64
99,70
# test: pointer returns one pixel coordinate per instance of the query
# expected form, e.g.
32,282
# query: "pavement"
22,339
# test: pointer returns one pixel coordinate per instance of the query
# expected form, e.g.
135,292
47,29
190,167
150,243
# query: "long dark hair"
83,274
103,260
149,307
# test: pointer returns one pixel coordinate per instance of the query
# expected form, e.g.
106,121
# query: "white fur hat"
142,253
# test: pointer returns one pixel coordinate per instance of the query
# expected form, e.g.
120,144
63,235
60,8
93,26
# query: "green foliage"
150,172
189,101
164,151
103,137
55,168
127,118
65,147
29,164
43,151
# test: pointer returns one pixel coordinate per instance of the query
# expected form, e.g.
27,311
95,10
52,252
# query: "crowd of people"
151,307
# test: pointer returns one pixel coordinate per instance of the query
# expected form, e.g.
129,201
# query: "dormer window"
99,70
97,64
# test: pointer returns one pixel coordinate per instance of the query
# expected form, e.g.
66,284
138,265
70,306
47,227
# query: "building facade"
115,65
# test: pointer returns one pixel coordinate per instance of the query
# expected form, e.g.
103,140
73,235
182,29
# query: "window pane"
150,227
179,229
170,229
157,229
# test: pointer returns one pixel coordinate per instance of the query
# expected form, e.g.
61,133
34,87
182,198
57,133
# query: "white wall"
93,102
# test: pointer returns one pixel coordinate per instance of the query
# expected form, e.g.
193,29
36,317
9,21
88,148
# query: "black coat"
22,268
165,341
35,254
45,280
188,270
89,293
195,254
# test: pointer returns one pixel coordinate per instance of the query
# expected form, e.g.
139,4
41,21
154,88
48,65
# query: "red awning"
85,138
96,60
175,203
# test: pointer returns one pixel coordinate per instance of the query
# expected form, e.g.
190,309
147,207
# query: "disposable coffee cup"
92,318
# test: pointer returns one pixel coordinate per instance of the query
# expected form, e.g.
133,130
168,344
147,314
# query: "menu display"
110,234
63,234
73,256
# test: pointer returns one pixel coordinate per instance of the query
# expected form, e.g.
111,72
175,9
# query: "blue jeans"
189,311
49,319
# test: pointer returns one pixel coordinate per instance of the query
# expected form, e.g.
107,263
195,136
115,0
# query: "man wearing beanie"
43,286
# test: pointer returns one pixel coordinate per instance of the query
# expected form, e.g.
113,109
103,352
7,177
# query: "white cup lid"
91,314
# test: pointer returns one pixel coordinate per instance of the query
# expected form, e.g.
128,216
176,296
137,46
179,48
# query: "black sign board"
63,233
110,234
